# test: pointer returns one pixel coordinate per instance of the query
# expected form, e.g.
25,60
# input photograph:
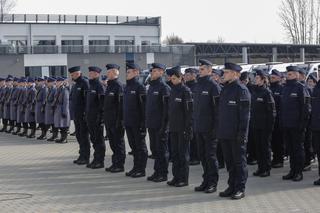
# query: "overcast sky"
193,20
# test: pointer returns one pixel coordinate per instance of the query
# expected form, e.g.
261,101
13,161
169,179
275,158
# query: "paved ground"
40,177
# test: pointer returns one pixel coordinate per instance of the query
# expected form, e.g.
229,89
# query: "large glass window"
18,43
98,42
71,42
44,42
124,42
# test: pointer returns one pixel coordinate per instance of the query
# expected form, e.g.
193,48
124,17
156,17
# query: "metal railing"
99,49
78,19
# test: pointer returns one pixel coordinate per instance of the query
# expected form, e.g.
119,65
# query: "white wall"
58,31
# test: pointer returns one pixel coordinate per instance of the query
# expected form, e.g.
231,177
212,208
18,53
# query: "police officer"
22,107
180,128
13,106
40,107
295,110
134,100
234,116
251,150
206,99
113,117
315,124
94,116
2,92
6,109
308,134
190,79
277,143
49,111
61,110
263,118
30,107
157,121
78,104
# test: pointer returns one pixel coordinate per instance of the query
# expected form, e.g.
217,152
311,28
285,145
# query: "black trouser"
294,139
117,145
11,123
316,145
207,146
194,154
234,153
25,126
220,155
43,127
33,126
82,136
5,121
308,149
277,144
97,140
160,152
180,156
18,125
263,149
250,146
136,139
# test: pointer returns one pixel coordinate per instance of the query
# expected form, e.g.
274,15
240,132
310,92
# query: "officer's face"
131,73
93,75
75,75
258,80
205,71
189,76
176,80
112,74
156,73
229,76
274,78
311,83
215,77
292,75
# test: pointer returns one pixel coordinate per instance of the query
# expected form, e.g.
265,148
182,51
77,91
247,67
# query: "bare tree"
172,39
300,20
6,6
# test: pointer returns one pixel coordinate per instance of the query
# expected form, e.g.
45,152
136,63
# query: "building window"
71,42
44,42
145,43
98,42
18,43
124,42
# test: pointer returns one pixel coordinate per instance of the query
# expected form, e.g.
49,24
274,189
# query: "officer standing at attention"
13,105
22,108
263,118
30,108
113,118
277,143
79,103
6,105
315,124
61,110
94,116
234,116
134,101
49,111
180,128
206,99
40,107
2,92
157,121
190,79
295,111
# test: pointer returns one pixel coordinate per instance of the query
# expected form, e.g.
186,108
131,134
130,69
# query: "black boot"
4,128
32,133
17,131
43,135
24,132
54,135
63,139
10,129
